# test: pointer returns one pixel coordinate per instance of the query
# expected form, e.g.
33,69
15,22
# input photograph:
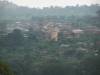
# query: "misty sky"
47,3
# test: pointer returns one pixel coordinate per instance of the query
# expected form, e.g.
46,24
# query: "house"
77,32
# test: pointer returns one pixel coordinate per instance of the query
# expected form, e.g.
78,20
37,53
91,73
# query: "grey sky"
47,3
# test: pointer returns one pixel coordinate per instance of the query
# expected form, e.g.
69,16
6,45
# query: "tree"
15,39
4,69
98,13
91,65
3,32
3,28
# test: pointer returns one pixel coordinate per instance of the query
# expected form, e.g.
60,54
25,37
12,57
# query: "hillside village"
49,41
52,30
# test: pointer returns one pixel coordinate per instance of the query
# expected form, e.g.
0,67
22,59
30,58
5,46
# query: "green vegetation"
15,12
5,69
29,53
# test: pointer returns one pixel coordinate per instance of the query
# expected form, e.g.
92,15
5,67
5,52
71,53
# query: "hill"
13,11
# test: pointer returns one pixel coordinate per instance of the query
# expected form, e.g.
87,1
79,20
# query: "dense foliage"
29,53
12,11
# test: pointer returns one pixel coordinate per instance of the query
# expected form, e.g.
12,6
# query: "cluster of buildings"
52,30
